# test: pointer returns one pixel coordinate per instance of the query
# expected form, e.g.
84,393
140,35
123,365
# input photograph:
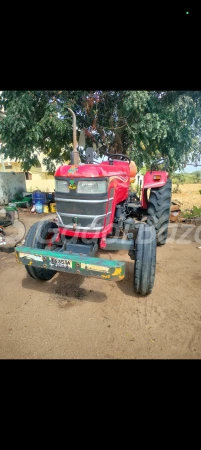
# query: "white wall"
43,185
11,183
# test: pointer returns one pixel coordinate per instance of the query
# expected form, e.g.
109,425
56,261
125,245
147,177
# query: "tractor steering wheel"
123,157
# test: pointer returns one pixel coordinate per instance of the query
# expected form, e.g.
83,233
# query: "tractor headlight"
92,187
61,186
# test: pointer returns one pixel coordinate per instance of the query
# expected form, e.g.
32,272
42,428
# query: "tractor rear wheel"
159,210
37,237
145,259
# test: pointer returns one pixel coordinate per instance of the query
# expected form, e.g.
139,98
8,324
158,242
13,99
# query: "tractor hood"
104,169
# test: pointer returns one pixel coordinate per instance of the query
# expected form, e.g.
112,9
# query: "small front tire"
37,237
145,260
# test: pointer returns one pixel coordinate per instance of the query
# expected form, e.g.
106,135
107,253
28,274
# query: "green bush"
181,178
195,212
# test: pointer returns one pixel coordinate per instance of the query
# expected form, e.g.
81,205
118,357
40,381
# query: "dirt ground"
75,317
188,196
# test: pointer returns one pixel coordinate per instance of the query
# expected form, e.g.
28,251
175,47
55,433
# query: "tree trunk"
118,147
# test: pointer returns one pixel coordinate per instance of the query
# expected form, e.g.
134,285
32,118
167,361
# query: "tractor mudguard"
71,263
155,179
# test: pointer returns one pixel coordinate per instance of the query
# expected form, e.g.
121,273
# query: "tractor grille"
88,211
87,214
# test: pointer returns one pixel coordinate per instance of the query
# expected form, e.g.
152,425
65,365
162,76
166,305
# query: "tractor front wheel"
158,213
145,260
38,236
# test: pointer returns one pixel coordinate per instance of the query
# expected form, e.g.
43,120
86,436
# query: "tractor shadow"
65,288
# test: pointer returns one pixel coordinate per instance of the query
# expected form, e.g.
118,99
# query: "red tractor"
97,210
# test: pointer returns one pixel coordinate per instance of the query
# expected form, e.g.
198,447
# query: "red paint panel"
149,181
84,233
119,168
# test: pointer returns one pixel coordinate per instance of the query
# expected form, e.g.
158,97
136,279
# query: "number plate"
57,262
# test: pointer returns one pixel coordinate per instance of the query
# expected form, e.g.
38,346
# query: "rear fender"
151,183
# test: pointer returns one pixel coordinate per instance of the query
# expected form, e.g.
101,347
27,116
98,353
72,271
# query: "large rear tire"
37,237
159,210
145,260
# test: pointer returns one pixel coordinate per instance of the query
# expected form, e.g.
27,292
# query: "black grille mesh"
84,209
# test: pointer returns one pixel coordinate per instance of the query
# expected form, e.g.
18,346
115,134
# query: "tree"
142,124
166,124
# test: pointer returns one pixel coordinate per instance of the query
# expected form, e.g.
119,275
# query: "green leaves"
143,124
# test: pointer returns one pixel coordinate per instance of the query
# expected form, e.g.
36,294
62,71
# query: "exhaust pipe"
74,154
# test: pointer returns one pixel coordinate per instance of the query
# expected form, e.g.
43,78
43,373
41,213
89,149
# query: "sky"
190,168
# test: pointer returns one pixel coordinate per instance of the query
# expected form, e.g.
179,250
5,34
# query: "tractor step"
71,263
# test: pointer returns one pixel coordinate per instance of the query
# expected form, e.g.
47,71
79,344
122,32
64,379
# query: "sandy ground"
75,317
188,196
